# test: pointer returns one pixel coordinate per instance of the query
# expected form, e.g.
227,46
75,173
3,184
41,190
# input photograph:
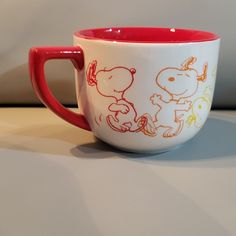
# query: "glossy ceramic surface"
147,35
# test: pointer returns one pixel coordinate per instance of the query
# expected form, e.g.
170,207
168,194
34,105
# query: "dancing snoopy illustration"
121,113
179,84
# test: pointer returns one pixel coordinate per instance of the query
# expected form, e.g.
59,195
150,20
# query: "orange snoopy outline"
179,84
113,83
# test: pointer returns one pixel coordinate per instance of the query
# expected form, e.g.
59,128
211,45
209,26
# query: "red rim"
147,35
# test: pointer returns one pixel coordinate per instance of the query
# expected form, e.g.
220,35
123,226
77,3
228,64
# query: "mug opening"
147,35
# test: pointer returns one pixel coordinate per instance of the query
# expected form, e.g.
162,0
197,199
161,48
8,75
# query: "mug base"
141,151
151,152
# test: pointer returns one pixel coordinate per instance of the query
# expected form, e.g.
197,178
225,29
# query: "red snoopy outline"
114,83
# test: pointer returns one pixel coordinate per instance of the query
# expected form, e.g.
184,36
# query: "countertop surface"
56,179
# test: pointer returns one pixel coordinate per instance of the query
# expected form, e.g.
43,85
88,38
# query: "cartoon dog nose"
171,79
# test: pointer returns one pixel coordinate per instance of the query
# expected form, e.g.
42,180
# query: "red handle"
37,59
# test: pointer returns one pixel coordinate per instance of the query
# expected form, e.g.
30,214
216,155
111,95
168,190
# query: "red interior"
147,35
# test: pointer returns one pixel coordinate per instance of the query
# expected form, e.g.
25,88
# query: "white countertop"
56,179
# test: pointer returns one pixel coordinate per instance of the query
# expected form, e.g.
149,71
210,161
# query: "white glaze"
154,63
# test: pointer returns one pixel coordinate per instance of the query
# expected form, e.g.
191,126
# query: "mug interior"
147,35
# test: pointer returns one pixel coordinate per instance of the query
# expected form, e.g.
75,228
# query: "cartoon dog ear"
203,77
91,73
188,62
132,71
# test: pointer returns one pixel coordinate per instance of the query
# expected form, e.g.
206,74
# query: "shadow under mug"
139,89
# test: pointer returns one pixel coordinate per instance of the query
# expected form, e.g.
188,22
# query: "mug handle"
37,58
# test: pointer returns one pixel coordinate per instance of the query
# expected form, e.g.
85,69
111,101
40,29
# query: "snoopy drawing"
180,84
113,83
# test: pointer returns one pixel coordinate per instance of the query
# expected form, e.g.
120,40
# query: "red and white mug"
139,89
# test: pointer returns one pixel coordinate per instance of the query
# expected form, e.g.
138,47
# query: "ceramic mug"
139,89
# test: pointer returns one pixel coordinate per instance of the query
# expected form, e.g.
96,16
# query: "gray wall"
27,23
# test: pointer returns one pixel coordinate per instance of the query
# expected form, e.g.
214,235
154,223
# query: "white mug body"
146,97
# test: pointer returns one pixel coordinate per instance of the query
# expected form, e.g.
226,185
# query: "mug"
139,89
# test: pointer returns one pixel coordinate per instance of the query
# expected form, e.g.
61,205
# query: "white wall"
27,23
